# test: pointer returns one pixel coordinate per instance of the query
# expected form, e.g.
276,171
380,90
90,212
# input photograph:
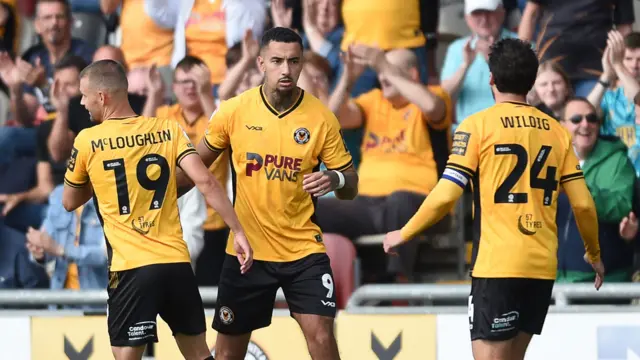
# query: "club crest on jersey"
301,136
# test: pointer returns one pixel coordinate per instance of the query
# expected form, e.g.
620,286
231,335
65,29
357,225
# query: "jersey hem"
519,275
134,265
280,260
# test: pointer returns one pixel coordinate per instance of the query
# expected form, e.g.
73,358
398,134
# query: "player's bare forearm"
213,192
183,182
437,204
586,217
430,104
350,188
73,197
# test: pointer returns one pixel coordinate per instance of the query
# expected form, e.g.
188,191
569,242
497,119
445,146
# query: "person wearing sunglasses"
611,179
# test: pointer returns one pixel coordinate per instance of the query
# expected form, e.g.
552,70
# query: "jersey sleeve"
465,154
216,137
571,169
77,175
185,147
335,154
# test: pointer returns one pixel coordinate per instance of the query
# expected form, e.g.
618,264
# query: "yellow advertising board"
283,340
70,337
385,337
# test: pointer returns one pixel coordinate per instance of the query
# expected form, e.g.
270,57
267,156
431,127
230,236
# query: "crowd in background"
375,64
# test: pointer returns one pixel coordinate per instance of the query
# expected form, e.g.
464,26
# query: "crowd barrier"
597,334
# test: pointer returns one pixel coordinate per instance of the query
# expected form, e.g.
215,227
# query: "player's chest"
291,144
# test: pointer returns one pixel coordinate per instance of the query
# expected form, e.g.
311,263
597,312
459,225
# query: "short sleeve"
465,154
335,154
76,175
571,169
216,137
448,106
367,102
185,147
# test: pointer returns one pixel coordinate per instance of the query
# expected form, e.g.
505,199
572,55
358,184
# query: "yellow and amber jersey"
131,164
396,25
516,157
272,151
220,168
205,35
143,42
402,149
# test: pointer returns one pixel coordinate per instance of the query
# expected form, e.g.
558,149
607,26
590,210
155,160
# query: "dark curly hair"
514,66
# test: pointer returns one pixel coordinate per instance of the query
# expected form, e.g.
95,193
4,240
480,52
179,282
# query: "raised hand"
281,15
153,81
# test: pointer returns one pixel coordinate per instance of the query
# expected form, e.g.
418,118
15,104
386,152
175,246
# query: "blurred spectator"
551,90
614,92
574,33
314,77
144,41
16,271
405,149
8,28
53,25
75,242
88,6
31,204
242,69
192,87
465,72
612,182
201,32
65,128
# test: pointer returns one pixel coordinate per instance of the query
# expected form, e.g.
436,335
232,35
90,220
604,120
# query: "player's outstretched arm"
437,204
75,196
215,196
587,221
207,156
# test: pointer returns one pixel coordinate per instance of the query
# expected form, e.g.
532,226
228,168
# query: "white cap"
473,5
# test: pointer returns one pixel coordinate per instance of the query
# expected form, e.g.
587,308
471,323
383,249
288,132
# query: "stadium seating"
343,257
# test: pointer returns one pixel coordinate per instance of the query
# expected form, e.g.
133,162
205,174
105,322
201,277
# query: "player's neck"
505,97
281,101
120,112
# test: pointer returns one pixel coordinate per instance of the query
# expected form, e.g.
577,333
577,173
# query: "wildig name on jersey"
129,141
525,121
276,167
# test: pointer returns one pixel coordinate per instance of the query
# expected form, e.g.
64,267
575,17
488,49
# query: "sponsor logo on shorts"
142,330
505,322
226,315
328,303
254,352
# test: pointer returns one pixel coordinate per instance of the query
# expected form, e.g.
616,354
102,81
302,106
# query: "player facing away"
279,135
516,157
128,164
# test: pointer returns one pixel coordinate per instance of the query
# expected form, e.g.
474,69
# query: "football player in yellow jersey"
279,135
128,164
516,157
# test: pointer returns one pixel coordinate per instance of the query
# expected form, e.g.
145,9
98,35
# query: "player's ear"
260,61
491,82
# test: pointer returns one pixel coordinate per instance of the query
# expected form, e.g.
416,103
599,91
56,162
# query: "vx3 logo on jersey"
254,128
276,167
142,226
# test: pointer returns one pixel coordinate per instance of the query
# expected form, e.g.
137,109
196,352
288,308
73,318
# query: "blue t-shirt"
619,119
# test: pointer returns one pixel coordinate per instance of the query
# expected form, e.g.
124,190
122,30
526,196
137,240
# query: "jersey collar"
286,112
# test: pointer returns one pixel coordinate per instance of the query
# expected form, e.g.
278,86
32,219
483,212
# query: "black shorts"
245,302
499,308
138,296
